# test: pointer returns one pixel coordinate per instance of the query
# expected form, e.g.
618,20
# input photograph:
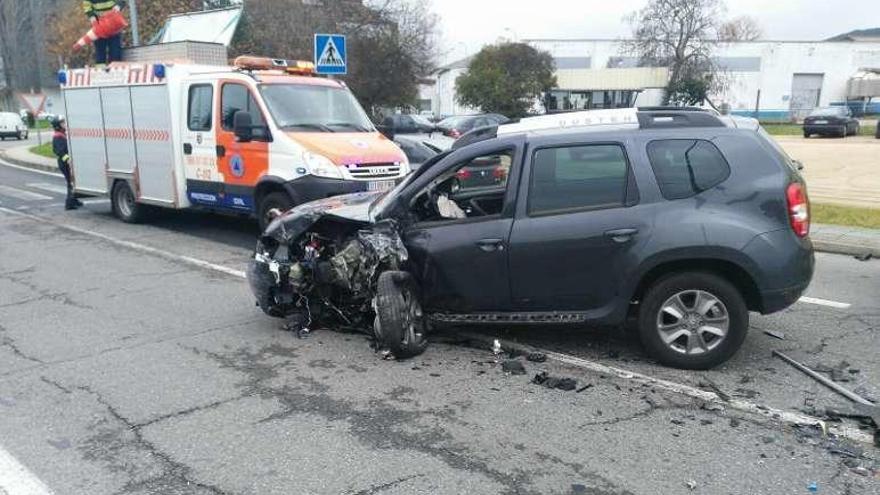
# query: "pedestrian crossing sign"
330,54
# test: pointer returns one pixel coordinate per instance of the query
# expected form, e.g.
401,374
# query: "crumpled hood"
346,148
354,207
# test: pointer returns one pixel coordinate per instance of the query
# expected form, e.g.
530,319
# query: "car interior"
451,196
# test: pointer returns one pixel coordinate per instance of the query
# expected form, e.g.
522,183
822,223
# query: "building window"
564,100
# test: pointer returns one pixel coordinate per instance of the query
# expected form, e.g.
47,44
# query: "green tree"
506,79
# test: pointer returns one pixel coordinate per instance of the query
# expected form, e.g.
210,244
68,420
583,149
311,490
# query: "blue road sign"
330,54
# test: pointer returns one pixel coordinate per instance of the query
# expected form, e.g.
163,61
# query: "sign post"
331,56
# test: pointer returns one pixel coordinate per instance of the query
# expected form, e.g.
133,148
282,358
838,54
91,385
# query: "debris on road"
496,347
864,256
691,484
536,357
776,334
513,366
562,383
709,384
585,387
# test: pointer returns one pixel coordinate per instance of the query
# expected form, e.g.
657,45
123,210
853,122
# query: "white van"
11,126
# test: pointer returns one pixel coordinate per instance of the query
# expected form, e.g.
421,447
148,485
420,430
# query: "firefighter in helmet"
59,147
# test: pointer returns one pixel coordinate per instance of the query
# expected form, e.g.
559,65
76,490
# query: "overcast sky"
466,25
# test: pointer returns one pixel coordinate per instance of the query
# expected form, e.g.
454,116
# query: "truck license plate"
380,185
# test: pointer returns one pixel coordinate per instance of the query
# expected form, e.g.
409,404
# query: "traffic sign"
330,54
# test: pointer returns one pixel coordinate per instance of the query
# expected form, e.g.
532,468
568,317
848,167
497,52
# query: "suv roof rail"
667,118
672,108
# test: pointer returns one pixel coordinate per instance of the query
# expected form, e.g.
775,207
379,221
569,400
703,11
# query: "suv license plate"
821,122
380,185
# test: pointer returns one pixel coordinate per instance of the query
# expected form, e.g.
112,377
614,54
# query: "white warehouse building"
773,80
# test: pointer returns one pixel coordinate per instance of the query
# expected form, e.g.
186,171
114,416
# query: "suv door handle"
490,245
621,235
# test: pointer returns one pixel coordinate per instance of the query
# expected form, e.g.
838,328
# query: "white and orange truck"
258,135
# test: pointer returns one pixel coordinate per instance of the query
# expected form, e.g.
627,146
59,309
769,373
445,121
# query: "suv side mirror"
243,126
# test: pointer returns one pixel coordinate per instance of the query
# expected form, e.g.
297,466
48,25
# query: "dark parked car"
831,121
455,126
685,220
417,151
407,124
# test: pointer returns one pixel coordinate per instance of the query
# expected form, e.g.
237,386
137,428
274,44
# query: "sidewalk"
826,238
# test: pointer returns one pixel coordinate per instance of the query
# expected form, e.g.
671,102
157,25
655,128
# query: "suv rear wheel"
693,320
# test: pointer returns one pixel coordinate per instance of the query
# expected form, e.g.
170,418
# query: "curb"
834,247
22,163
820,245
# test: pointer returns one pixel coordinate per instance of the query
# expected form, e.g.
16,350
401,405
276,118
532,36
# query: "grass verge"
798,130
44,149
845,215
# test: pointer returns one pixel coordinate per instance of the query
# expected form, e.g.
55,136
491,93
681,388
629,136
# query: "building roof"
458,64
211,26
872,34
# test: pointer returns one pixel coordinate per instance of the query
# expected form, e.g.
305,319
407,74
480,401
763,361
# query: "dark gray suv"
683,219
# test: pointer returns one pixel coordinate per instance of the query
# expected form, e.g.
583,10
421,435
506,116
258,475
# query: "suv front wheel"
693,320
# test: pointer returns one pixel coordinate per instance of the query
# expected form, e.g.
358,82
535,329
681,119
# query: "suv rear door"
574,234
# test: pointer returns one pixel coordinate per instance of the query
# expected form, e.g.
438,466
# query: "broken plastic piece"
548,381
496,347
536,357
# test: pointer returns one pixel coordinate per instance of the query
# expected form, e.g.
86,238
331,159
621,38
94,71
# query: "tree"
391,43
680,35
742,28
506,78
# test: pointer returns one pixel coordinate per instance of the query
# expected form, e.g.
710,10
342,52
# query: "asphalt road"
125,368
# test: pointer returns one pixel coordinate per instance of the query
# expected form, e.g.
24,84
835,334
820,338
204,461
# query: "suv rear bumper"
784,265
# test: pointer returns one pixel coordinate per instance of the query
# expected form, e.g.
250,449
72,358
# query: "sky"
466,25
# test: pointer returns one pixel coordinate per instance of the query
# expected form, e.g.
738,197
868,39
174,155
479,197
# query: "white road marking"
789,417
22,194
53,188
793,418
15,479
824,302
132,245
27,169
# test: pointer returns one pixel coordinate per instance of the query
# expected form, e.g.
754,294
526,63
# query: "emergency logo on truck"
236,165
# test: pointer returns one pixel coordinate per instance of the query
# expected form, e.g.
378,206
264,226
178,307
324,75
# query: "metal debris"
536,357
557,382
776,334
864,256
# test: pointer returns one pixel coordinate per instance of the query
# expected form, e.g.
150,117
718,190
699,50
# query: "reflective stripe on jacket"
95,8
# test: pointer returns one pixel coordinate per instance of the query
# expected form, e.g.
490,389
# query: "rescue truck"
258,135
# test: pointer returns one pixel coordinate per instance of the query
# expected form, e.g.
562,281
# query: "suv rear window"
686,167
578,177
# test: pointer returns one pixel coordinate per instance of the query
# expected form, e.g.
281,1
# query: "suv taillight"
798,208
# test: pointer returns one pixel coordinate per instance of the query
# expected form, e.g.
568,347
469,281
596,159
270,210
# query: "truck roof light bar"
251,63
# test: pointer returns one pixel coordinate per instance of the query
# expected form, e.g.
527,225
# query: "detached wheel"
124,203
400,324
271,201
693,320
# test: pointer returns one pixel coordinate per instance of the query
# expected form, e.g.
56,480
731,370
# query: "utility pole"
135,35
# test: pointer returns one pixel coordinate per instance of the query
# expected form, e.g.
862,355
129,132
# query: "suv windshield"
312,108
829,112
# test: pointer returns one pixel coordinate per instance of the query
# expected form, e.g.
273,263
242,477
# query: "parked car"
11,126
831,121
685,220
417,151
417,127
457,125
877,130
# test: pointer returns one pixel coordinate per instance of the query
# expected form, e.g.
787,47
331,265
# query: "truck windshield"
309,108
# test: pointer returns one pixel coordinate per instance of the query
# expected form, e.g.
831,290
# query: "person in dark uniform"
59,147
110,49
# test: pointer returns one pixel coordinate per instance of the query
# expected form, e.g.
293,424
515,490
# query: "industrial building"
771,80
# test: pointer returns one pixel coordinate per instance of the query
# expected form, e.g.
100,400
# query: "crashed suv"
683,220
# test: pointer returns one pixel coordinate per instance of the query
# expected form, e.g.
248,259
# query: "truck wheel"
124,203
271,201
693,320
400,324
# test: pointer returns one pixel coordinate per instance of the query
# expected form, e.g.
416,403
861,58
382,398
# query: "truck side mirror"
243,126
387,131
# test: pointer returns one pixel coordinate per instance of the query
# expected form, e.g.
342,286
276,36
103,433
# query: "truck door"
241,164
203,180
